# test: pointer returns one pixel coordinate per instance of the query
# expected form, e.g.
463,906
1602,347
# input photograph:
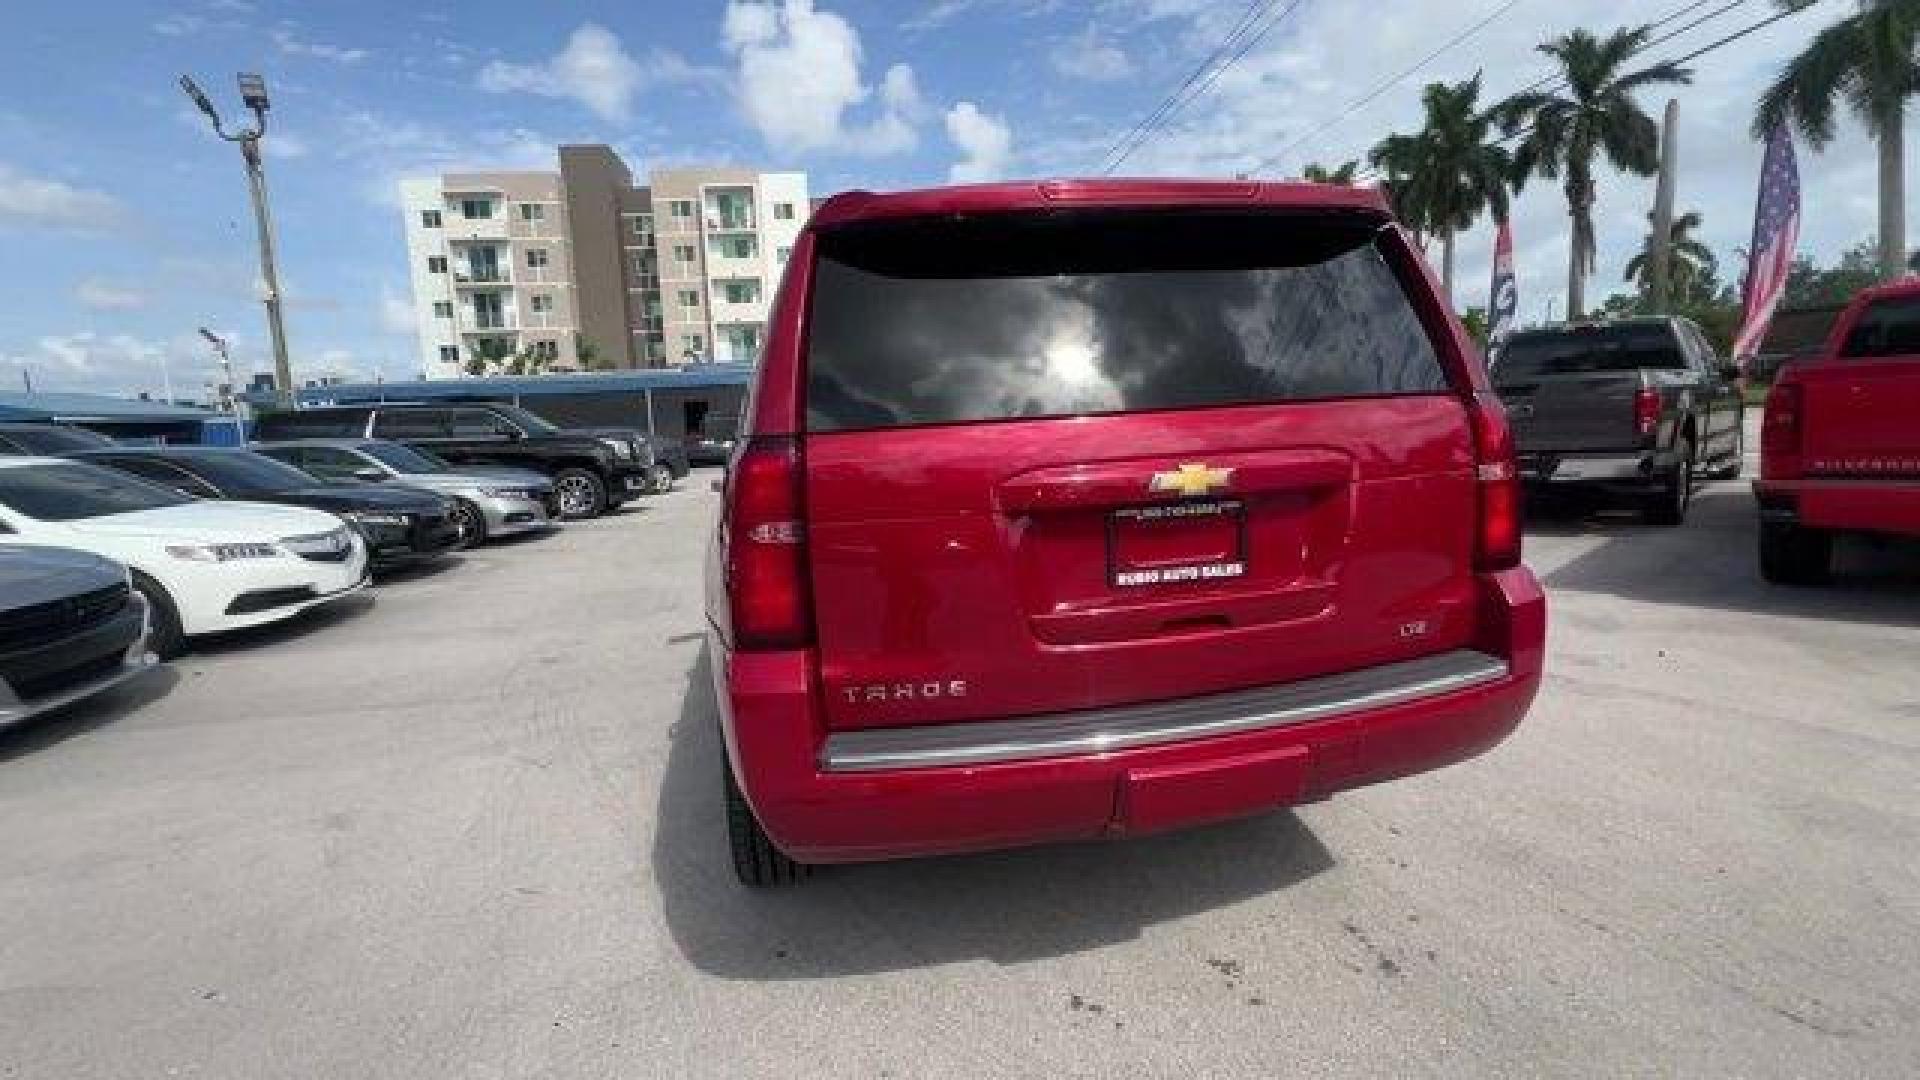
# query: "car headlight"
508,493
377,519
621,448
218,553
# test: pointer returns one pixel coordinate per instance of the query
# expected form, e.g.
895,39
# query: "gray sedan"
491,502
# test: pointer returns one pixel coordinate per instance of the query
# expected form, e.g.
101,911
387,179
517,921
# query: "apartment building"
588,269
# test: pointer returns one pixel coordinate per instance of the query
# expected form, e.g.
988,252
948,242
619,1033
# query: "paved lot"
470,828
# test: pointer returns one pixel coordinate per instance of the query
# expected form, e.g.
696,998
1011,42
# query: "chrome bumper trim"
1099,731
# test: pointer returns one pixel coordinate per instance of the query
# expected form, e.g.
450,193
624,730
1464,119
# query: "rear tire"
580,492
1667,504
165,639
756,861
1793,555
1738,463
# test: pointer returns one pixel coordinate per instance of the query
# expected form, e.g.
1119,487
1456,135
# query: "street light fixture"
253,94
226,368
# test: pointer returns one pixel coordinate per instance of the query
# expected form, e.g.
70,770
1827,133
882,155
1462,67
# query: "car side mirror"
370,474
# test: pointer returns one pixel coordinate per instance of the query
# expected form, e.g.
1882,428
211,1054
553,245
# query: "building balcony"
457,229
494,279
731,224
492,324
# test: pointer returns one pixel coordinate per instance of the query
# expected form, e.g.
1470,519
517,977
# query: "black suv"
592,471
49,440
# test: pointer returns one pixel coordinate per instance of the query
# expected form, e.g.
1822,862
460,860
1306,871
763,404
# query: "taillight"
767,548
1780,427
1497,479
1646,410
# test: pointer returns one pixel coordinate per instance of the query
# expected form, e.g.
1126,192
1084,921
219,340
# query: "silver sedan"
490,502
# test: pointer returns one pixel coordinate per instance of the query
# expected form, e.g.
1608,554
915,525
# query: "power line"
1247,45
1246,20
1372,95
1729,39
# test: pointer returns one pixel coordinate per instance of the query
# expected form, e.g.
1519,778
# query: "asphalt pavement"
469,826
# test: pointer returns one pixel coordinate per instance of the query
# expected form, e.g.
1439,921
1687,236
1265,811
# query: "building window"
429,219
643,225
683,253
536,258
690,298
780,255
449,354
436,264
546,349
692,344
476,209
530,211
680,208
542,302
736,246
783,211
443,309
741,290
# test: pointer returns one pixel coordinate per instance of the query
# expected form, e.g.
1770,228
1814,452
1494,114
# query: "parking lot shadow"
1007,907
1712,562
85,715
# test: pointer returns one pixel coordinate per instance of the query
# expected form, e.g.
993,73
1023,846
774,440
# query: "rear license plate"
1177,542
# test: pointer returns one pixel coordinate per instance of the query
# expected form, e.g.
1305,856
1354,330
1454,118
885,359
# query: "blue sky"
127,224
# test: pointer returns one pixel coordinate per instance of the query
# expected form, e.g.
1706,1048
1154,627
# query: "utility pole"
1660,274
253,94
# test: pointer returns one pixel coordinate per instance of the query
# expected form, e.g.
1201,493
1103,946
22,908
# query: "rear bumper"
1609,469
878,795
1864,505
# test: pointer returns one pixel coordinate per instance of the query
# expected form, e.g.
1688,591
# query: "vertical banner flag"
1776,229
1504,303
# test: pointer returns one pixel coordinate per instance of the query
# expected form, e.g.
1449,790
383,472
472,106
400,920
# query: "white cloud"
798,77
99,294
594,69
284,145
1088,56
179,25
28,201
941,12
1307,71
112,364
396,314
288,41
985,143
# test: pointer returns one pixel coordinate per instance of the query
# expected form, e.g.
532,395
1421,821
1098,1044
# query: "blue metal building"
120,418
668,403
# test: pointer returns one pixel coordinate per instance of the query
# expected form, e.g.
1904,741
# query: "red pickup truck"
1840,444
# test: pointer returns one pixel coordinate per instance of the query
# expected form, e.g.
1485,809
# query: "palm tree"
1450,171
1869,60
1593,114
1398,159
1320,174
1689,262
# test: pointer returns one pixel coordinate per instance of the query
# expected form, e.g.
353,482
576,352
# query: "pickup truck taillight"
1646,410
1780,427
766,552
1497,480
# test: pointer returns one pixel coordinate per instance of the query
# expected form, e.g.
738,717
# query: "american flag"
1776,229
1503,304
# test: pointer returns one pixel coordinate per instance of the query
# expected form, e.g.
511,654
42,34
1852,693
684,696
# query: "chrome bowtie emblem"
1190,479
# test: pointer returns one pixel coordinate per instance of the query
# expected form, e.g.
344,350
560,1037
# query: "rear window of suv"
1530,356
950,320
1888,327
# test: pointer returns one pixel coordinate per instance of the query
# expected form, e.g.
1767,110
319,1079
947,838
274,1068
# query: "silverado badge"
1191,479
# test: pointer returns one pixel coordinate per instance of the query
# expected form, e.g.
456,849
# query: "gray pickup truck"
1640,407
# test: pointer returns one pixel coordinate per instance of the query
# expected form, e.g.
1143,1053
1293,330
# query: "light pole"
226,367
253,94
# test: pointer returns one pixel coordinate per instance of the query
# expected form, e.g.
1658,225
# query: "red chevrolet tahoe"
1084,508
1840,441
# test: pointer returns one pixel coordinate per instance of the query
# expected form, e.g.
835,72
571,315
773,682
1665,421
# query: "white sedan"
204,567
